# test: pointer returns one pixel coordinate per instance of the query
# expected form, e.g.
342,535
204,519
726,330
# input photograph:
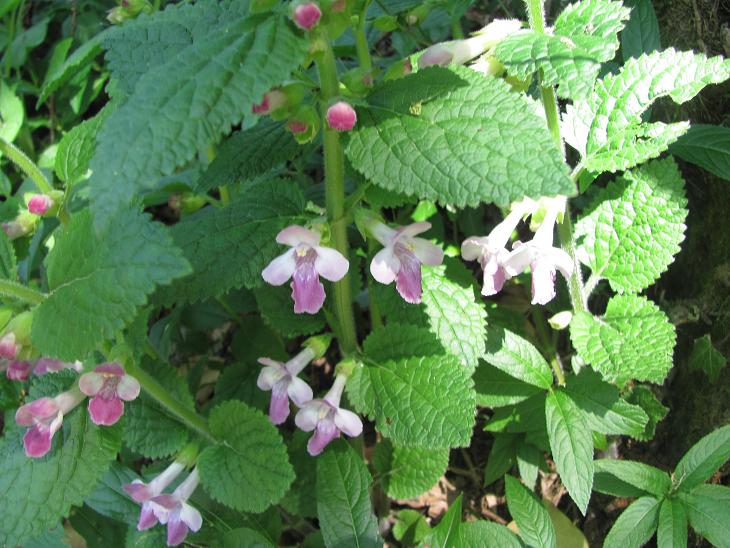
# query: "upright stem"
20,292
361,39
334,180
26,165
575,281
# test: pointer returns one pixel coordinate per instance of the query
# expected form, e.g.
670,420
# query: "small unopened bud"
318,344
273,100
40,204
23,224
306,16
338,6
295,126
341,116
561,320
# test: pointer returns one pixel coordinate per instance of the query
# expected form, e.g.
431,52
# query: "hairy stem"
334,180
26,165
361,39
21,292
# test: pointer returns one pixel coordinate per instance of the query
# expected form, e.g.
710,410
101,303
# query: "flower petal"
280,269
18,370
91,383
269,375
147,518
296,235
348,422
110,369
307,290
330,264
105,411
42,408
299,391
413,229
561,260
325,432
408,281
191,517
279,405
128,388
37,441
385,266
543,282
518,260
308,416
138,490
474,247
427,253
177,530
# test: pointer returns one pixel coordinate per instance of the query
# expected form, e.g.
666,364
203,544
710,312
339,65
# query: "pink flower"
543,259
39,204
48,365
305,262
273,100
306,16
44,416
282,380
107,386
175,512
341,116
491,252
8,347
144,493
18,370
327,419
402,257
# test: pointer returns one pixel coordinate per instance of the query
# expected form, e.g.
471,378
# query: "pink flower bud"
295,126
341,116
18,370
14,230
306,16
39,204
273,100
9,348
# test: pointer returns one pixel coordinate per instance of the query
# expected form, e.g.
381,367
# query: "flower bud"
399,69
273,100
306,16
304,124
318,344
341,116
39,204
358,80
22,225
561,320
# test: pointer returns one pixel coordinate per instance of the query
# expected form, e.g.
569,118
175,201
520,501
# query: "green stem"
558,370
26,165
457,33
20,292
162,396
334,180
361,39
575,282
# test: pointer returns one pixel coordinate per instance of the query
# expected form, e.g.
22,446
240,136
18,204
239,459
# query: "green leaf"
456,137
708,508
636,525
450,309
150,429
607,129
426,402
647,478
408,472
298,500
705,357
584,37
571,443
567,535
502,457
109,498
343,498
533,520
12,113
249,470
604,410
8,262
526,416
645,398
487,533
395,341
707,146
277,309
672,530
633,340
703,459
647,200
245,537
82,56
410,527
186,103
90,300
229,247
77,148
248,154
498,389
447,534
641,33
39,492
529,461
517,357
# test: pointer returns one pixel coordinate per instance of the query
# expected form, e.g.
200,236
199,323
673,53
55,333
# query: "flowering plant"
303,261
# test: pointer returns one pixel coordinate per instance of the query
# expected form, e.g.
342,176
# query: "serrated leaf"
496,388
109,498
487,533
77,148
606,127
408,472
248,154
517,357
703,459
533,520
633,340
636,525
426,402
98,280
502,457
646,201
275,304
526,416
8,262
37,493
604,410
149,428
641,33
645,398
642,476
571,443
706,146
343,499
395,341
298,500
584,37
249,469
245,537
450,309
708,508
447,533
672,528
455,137
186,103
229,247
705,357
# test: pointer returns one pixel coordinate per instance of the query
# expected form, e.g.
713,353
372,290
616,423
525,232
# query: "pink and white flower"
143,493
327,418
273,100
341,116
44,417
18,370
304,263
48,365
39,204
175,512
9,348
402,257
543,259
282,380
109,387
306,16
